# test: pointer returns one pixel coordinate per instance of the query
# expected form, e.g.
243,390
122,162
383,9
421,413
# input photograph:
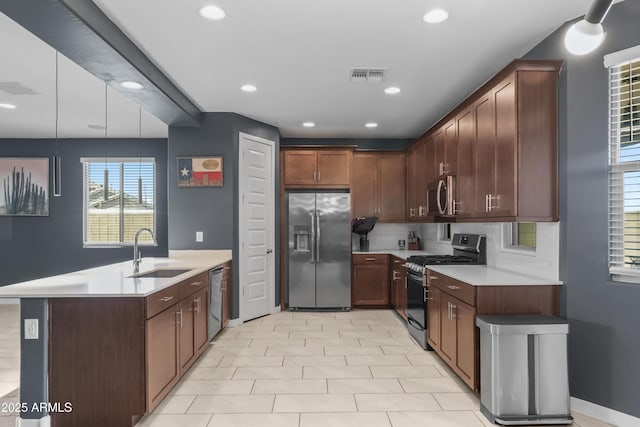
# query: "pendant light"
106,171
57,160
587,35
140,160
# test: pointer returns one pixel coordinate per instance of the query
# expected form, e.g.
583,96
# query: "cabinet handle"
453,287
425,294
491,198
453,307
318,176
179,316
486,203
196,283
370,259
411,212
433,277
166,299
197,303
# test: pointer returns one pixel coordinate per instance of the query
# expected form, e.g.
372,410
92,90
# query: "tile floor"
358,368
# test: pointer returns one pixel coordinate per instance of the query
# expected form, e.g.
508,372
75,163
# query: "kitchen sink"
161,273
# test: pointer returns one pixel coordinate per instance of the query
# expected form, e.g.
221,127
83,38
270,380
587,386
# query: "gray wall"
383,144
33,247
604,340
214,210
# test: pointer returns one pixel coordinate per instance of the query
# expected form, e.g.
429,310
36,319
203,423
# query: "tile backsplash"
543,262
386,236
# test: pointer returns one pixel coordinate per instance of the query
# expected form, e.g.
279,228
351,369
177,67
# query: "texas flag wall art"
199,171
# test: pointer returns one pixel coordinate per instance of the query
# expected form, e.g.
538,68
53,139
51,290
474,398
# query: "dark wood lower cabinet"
226,285
370,281
452,310
115,359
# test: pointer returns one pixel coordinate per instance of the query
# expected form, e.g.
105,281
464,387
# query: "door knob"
269,251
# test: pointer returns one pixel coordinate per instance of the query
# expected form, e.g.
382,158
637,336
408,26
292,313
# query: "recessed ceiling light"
435,16
131,85
371,125
308,124
248,88
213,13
392,90
8,106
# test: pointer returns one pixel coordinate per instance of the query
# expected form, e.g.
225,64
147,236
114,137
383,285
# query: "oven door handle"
414,323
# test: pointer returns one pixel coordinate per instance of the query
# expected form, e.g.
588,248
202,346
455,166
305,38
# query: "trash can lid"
522,324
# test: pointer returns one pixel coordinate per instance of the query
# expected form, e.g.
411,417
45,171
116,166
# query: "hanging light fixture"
57,160
140,160
587,35
106,170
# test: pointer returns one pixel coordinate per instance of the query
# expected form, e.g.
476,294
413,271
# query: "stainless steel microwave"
441,197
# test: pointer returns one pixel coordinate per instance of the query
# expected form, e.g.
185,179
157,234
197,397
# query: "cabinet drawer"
193,284
463,291
162,300
359,259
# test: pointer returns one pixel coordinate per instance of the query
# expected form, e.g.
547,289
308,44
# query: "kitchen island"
109,347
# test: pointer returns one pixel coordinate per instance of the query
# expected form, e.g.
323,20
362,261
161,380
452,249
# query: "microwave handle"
441,187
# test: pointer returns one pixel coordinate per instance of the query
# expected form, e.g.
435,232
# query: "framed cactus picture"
25,186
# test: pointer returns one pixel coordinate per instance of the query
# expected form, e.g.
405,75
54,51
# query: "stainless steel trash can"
523,369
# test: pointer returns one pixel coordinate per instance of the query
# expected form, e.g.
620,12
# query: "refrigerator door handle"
313,237
317,237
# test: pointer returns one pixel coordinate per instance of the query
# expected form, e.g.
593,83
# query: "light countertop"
476,275
404,254
114,280
482,275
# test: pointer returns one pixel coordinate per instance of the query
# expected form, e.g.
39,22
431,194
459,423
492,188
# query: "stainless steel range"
468,249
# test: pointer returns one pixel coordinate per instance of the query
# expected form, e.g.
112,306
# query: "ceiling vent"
367,75
16,88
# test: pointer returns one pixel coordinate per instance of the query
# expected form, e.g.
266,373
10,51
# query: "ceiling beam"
83,33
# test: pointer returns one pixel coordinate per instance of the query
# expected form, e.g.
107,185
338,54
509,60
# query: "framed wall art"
25,186
199,171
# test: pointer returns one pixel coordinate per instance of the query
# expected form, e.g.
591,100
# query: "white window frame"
84,161
443,230
509,237
617,269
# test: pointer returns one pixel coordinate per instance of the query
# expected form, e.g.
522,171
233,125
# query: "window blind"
624,167
119,199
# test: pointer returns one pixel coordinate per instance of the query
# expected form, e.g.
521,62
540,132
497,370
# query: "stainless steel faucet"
136,253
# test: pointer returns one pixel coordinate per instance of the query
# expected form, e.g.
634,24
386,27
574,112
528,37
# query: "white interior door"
257,226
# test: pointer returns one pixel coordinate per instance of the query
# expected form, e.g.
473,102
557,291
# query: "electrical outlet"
30,329
199,236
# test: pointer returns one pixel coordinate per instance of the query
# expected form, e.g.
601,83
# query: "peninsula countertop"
114,280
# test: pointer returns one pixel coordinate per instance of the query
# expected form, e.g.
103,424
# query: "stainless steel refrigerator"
319,251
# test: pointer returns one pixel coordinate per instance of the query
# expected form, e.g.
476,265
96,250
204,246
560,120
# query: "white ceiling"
28,61
297,52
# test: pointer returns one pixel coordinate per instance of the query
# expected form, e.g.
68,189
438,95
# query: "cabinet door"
450,148
447,330
364,186
162,356
370,285
485,152
506,156
439,141
465,176
465,341
412,184
185,331
300,167
391,184
200,320
433,316
334,167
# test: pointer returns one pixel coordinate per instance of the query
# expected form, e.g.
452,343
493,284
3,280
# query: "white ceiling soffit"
27,80
299,55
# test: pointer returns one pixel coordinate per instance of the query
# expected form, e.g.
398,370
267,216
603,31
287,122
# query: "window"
119,199
624,168
444,232
519,237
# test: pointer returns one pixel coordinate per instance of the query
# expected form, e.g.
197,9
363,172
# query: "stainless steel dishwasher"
215,301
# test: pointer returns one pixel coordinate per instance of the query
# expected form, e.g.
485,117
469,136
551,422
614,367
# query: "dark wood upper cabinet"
327,168
450,148
485,147
465,176
378,186
429,162
416,181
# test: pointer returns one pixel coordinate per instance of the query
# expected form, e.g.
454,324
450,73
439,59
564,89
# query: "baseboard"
42,422
232,323
603,413
275,309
